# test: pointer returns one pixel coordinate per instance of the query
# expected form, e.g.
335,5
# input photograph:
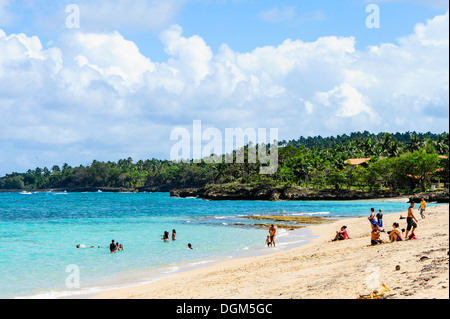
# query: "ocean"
39,234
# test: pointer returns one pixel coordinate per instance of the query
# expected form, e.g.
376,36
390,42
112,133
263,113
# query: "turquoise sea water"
39,233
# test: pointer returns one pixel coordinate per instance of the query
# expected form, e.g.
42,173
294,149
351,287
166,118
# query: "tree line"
400,161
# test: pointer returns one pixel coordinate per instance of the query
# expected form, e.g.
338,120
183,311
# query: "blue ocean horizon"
39,233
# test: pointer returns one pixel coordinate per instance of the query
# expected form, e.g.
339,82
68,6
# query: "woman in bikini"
396,234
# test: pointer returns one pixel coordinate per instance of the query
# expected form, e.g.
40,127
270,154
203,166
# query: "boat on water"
63,193
26,193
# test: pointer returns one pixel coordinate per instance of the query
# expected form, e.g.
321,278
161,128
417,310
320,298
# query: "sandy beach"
323,269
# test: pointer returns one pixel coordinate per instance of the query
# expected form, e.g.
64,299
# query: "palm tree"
415,143
441,145
391,147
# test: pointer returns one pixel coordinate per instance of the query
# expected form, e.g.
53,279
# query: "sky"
104,80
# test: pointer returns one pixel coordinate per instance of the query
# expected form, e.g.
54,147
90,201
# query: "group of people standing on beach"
396,234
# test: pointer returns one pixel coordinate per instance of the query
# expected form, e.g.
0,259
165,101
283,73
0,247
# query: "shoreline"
321,269
296,193
265,194
296,238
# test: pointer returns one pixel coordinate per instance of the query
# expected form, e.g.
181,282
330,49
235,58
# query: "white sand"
323,269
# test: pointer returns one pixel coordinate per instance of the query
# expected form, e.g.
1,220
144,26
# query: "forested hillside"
397,161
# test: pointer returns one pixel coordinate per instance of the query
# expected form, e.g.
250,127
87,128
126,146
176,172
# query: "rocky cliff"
245,192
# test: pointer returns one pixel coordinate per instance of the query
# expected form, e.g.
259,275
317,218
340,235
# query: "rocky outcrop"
439,196
272,193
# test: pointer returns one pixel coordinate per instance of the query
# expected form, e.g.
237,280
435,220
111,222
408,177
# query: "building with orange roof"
357,161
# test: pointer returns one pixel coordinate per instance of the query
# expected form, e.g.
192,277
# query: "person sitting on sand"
375,239
396,234
342,234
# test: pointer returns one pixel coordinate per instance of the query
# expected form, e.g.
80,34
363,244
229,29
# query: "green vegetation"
400,161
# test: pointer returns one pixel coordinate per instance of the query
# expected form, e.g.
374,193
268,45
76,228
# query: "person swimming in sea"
174,234
112,247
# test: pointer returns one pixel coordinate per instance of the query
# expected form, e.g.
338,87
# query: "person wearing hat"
380,217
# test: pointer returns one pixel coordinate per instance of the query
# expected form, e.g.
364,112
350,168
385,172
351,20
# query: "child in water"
268,241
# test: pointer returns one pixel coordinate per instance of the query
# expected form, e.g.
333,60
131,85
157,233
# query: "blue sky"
118,85
242,24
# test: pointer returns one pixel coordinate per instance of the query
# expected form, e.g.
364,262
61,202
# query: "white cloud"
347,101
433,32
110,55
96,95
191,56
